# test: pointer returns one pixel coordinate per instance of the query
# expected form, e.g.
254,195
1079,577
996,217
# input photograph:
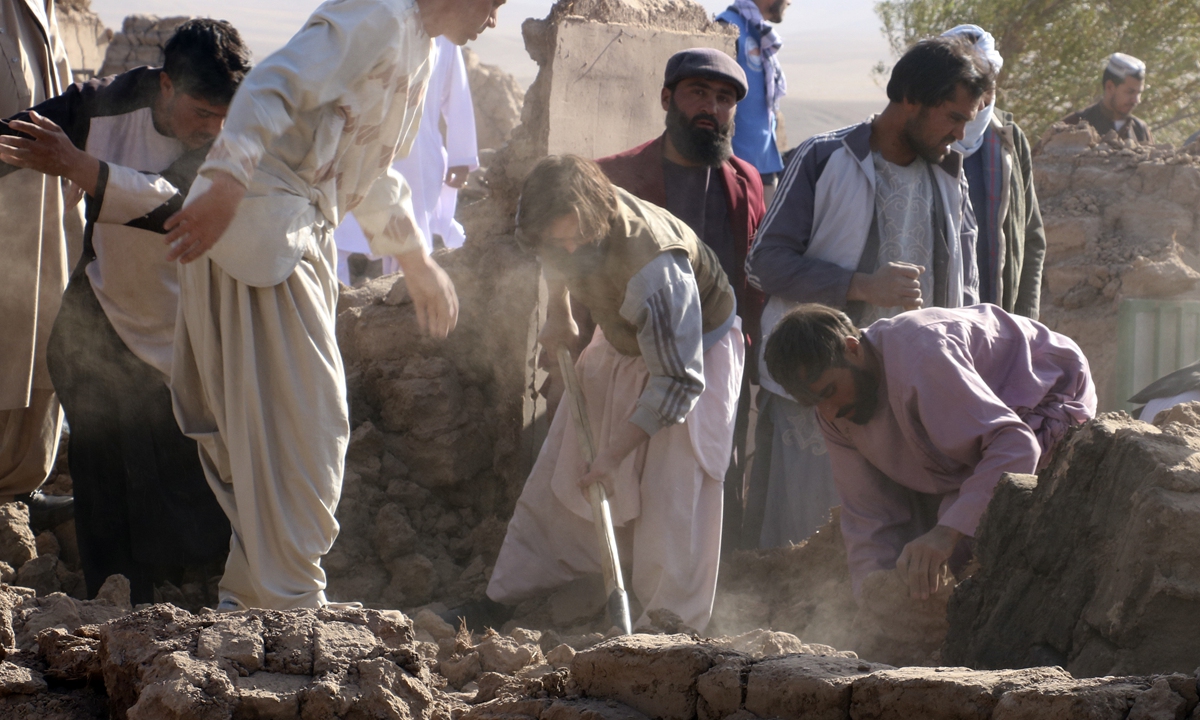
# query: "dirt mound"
1092,565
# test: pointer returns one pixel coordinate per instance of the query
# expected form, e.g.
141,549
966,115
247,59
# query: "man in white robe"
35,267
660,379
435,169
258,378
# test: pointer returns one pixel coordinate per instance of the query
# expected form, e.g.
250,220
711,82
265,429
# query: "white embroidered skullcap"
985,44
1123,65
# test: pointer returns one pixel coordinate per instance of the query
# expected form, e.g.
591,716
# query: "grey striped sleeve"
663,302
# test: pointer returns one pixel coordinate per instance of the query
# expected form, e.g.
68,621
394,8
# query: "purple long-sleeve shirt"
966,395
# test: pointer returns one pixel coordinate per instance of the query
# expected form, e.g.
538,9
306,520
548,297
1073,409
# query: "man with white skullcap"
1124,78
999,168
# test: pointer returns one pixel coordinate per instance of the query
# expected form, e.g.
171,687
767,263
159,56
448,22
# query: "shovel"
614,583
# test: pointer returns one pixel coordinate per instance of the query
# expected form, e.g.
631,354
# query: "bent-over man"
660,378
922,413
691,171
258,378
133,143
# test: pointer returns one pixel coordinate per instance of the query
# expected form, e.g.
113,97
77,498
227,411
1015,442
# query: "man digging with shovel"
660,382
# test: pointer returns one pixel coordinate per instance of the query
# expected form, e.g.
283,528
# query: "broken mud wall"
1092,566
84,36
446,431
1122,221
140,42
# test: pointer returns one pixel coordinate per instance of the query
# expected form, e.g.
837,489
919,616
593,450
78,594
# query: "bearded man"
691,171
874,219
922,414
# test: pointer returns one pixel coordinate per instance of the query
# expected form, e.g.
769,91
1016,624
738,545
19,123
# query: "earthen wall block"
654,674
804,687
939,693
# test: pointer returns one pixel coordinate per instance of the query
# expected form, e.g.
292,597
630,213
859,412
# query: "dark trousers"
143,507
732,532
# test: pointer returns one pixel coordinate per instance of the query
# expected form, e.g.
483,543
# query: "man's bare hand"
922,563
49,151
560,330
603,470
432,293
456,176
894,284
196,228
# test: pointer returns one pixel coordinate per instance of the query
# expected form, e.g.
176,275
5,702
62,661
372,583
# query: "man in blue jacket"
758,53
874,219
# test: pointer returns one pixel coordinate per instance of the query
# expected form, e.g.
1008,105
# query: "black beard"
912,136
710,148
775,12
866,396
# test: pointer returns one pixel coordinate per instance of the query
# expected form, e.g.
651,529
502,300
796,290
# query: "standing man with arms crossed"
758,49
35,268
691,171
258,378
133,143
874,218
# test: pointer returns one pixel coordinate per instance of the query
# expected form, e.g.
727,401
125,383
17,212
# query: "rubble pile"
46,563
1091,565
140,42
1121,221
804,591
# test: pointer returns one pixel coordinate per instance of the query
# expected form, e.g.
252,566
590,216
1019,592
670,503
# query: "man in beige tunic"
34,272
258,378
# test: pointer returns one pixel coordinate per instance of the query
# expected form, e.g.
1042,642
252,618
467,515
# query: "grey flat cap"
707,63
1123,66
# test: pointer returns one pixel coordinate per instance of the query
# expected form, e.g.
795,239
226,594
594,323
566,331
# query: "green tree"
1054,52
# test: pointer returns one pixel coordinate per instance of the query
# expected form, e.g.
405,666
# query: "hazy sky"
829,45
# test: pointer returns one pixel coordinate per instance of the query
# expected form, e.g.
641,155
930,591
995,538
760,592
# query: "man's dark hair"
931,71
207,59
804,344
560,185
1111,77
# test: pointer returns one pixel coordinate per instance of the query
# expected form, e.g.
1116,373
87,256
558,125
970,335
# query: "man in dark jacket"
691,171
132,142
998,163
1123,81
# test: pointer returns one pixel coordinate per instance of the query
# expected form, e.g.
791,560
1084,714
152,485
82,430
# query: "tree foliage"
1054,52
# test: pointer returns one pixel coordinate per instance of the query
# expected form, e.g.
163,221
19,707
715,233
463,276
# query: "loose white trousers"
258,382
668,500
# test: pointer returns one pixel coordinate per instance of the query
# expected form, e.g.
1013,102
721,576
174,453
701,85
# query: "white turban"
985,44
985,48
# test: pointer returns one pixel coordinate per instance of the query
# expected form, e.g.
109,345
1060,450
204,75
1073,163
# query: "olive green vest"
641,232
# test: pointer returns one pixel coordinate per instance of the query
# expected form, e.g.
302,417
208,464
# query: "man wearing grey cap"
691,171
1123,81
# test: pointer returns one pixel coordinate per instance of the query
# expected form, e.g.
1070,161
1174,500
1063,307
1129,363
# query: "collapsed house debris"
445,432
1091,565
1122,221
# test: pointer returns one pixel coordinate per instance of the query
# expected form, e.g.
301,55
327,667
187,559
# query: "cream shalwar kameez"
258,378
34,272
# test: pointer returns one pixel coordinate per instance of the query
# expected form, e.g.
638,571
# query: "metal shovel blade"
618,610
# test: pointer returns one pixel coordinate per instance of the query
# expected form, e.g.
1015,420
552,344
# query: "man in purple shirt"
922,413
